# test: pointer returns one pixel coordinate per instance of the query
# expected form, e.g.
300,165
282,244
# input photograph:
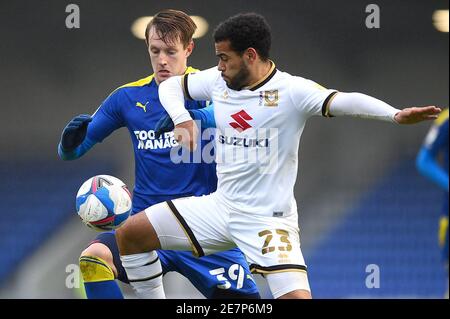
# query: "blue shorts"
221,275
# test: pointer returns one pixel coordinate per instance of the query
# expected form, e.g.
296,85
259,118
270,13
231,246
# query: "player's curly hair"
246,30
172,25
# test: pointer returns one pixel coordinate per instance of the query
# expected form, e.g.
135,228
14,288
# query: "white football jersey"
258,135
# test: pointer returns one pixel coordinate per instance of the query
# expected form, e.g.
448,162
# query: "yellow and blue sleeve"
436,141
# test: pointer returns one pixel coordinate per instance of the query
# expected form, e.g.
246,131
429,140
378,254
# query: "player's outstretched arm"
364,106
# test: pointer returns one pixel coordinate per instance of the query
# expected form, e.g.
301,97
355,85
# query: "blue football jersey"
435,146
437,140
136,106
158,178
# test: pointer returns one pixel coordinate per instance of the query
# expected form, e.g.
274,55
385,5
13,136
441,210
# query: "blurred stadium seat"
394,226
39,198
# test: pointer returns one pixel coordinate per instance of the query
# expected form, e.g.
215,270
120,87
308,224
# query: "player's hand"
75,132
414,115
186,134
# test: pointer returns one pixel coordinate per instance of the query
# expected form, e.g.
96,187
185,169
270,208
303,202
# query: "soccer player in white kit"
259,114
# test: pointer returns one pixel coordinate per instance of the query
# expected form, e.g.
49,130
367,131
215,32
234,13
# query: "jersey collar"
266,78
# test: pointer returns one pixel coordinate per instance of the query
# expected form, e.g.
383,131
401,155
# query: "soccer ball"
103,202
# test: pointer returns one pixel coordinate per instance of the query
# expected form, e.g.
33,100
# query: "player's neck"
261,71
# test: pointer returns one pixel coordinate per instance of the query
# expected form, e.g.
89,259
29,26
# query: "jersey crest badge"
225,95
270,98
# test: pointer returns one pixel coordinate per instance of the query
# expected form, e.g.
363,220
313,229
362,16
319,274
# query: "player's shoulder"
438,130
210,73
132,89
141,83
138,83
296,83
442,118
191,70
144,82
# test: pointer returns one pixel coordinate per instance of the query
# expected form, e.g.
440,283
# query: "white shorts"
207,224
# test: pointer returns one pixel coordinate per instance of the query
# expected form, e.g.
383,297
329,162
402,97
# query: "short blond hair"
172,25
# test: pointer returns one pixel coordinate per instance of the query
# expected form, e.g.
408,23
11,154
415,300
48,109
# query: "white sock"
145,274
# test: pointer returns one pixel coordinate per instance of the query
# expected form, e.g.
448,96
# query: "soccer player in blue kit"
136,106
436,169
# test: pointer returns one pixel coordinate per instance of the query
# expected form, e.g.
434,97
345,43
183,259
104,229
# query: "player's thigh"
138,235
272,246
198,224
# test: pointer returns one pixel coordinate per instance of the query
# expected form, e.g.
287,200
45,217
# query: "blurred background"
362,203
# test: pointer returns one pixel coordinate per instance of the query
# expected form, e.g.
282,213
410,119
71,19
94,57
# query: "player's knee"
96,264
99,250
137,235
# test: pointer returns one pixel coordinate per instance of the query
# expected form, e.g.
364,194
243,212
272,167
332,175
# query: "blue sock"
98,277
103,290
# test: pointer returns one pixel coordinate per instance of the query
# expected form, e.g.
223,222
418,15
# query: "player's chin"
227,82
162,76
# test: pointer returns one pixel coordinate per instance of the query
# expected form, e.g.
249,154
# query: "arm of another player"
204,115
84,131
73,143
172,94
426,161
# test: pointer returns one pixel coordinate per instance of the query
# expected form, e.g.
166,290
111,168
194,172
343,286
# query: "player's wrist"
395,118
195,114
181,118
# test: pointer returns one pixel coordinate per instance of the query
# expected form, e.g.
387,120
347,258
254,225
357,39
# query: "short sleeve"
309,97
437,137
200,85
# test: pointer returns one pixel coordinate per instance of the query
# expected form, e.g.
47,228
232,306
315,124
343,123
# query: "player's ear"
189,48
250,54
